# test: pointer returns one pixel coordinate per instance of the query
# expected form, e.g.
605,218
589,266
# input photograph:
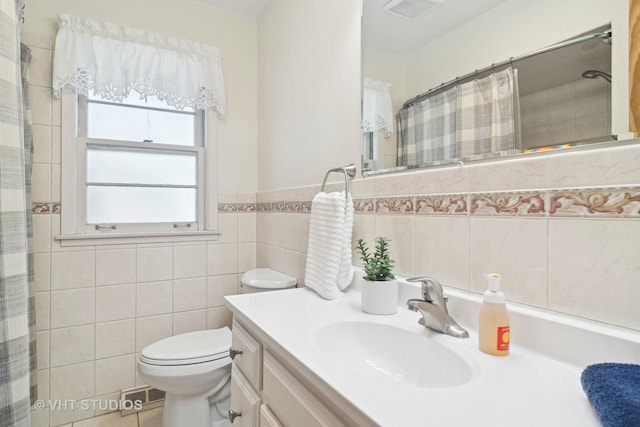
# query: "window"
141,166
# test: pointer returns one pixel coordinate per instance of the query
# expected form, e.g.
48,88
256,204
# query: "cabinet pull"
233,415
233,353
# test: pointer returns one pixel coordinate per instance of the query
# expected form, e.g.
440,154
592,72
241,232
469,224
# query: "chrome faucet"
433,308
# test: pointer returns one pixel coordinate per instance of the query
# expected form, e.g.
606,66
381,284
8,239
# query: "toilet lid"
188,348
267,278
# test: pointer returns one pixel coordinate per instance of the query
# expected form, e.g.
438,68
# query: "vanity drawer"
250,360
290,401
245,401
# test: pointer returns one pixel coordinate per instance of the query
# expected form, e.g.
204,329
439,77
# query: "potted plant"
379,288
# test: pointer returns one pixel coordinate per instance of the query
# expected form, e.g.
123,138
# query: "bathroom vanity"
307,361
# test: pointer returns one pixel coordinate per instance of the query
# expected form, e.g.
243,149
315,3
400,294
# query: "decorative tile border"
603,202
529,203
395,205
621,202
444,204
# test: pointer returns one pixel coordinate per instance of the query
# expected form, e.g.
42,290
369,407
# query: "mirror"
562,97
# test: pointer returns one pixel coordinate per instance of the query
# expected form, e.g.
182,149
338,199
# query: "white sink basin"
393,354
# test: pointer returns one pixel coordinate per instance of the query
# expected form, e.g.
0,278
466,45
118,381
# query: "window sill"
68,240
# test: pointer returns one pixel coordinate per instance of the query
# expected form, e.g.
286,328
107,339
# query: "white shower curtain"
470,119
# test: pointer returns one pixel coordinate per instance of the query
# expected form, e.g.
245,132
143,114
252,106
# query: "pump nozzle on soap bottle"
493,329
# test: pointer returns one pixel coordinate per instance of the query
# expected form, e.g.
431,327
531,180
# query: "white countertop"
524,388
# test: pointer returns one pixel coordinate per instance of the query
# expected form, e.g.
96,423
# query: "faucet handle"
431,289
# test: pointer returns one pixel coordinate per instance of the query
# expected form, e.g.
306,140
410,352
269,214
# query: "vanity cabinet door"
248,355
267,419
290,401
245,401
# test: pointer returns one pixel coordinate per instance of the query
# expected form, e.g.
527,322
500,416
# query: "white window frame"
74,231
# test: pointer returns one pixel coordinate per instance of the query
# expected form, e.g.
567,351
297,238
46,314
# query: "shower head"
594,74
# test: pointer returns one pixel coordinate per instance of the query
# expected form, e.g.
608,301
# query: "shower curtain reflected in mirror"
472,119
17,315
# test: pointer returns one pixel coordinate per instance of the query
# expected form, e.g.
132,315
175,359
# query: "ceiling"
383,30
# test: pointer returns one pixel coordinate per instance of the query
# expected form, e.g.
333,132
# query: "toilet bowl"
194,371
194,368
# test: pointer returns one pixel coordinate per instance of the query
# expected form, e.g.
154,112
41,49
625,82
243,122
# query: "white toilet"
194,368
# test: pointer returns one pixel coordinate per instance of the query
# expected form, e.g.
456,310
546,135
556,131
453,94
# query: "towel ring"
349,170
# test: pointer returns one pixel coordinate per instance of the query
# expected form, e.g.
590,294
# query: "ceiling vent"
411,9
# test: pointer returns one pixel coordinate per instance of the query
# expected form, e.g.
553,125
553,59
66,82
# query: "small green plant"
377,266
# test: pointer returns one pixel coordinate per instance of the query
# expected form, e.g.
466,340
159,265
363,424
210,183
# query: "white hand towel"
325,270
345,274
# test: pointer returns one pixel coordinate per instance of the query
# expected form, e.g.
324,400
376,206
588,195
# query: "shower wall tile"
43,311
154,298
42,233
592,125
115,302
40,102
41,182
246,257
222,259
189,294
561,131
115,374
73,269
42,271
40,67
189,321
41,144
394,185
561,102
452,180
218,317
72,345
115,266
592,97
115,338
517,249
519,174
154,263
72,307
56,144
42,344
247,227
593,269
400,230
442,249
595,168
220,286
533,109
153,328
535,137
189,260
72,382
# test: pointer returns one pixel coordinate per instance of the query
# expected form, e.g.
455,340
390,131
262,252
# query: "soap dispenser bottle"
493,329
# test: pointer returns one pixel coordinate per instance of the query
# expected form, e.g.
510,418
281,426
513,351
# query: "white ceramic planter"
379,297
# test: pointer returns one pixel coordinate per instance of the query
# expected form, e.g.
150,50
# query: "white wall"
309,90
520,26
235,34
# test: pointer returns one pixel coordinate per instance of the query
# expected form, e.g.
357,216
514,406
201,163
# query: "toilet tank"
265,279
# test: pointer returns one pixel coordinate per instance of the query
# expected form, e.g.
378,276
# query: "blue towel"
614,392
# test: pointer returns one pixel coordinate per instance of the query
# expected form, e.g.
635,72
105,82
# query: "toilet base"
202,410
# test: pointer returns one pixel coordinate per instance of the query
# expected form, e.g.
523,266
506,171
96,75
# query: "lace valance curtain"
377,112
112,61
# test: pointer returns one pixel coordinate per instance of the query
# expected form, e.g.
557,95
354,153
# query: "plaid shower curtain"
472,118
17,340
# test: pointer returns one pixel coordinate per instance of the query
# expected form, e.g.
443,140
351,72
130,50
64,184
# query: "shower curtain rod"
603,35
